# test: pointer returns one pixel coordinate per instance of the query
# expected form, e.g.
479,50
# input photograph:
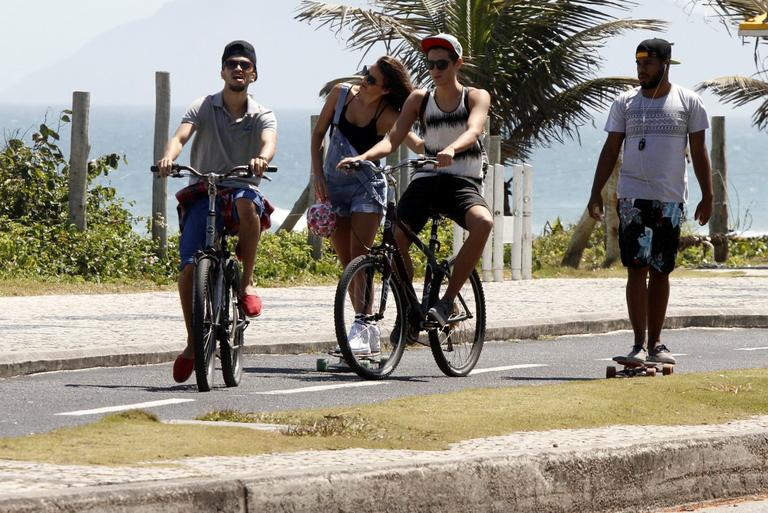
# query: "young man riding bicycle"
230,129
453,119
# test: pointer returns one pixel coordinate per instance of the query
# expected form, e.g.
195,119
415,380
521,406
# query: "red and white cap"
446,41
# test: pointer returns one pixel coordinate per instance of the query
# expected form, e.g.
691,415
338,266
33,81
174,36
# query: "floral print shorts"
649,233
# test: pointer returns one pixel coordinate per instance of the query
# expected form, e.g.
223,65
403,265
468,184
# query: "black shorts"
448,195
649,233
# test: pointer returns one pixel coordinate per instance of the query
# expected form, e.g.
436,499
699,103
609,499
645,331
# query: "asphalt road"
38,403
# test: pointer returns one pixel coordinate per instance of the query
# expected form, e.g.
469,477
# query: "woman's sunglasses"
368,77
232,65
441,64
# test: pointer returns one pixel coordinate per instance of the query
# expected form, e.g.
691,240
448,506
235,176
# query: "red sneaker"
251,304
182,368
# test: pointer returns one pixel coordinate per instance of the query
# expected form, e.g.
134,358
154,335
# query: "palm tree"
740,90
537,58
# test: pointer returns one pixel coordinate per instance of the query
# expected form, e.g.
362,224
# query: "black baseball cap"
239,48
660,48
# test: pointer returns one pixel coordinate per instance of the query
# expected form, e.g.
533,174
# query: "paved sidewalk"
44,333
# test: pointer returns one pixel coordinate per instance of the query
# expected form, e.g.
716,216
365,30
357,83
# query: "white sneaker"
373,334
358,338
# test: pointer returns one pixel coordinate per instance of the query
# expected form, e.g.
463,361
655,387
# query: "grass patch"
416,423
45,286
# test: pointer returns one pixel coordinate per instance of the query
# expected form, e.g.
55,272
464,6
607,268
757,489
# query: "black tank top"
362,138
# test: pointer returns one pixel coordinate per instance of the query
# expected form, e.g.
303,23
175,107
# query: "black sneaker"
441,312
660,354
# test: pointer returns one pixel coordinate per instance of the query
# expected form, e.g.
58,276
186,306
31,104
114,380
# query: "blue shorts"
349,194
193,224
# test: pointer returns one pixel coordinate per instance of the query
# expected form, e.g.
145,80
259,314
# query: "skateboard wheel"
651,371
322,364
667,370
610,372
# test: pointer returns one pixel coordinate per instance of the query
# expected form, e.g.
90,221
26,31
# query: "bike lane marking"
321,388
507,367
751,349
109,409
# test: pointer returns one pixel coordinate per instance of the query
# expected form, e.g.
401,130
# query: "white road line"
321,388
108,409
751,349
507,367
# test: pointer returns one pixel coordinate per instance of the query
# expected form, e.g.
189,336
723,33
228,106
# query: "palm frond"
739,91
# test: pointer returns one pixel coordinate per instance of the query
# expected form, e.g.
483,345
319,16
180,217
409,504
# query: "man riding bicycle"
453,118
230,129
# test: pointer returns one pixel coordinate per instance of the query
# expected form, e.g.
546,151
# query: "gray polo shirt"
222,141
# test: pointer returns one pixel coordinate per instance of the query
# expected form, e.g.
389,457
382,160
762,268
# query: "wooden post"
498,222
527,245
315,242
160,184
517,214
718,225
78,159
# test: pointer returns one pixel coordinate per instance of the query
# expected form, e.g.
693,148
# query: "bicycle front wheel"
369,316
203,318
456,346
233,324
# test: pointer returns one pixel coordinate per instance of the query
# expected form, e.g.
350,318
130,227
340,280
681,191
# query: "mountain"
186,38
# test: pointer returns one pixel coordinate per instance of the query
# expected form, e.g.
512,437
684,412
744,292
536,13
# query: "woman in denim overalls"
359,117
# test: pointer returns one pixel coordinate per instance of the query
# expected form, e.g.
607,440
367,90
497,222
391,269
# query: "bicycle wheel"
233,324
456,347
367,305
203,317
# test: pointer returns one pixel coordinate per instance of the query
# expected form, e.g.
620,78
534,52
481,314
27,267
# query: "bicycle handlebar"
416,163
235,172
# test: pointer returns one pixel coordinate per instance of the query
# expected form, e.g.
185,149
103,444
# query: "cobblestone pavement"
17,477
72,326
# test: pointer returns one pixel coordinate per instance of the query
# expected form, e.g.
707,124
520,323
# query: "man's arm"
703,171
479,104
605,164
268,139
174,146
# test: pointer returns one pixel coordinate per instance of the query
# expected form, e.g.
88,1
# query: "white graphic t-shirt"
660,127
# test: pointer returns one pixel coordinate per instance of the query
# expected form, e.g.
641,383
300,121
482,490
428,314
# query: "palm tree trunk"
610,201
586,224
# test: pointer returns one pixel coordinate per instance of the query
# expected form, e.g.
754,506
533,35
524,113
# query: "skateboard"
633,369
328,364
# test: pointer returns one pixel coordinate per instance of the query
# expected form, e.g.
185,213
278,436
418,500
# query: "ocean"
562,173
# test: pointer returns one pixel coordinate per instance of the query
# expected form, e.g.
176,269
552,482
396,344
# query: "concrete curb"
630,479
60,361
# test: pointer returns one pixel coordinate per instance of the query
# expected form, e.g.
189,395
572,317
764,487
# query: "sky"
112,48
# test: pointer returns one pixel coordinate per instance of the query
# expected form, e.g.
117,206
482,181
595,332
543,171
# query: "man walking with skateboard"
655,122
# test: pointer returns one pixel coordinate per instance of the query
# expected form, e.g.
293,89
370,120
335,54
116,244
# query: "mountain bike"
217,314
376,302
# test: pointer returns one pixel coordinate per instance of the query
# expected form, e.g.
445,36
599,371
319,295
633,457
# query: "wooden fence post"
80,147
160,183
718,225
527,246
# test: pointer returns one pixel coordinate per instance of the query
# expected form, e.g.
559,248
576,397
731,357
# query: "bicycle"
216,310
370,282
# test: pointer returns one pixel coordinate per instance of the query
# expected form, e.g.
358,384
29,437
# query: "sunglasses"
441,64
368,77
232,65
